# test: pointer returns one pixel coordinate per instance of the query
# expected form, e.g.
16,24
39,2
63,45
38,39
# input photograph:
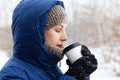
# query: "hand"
89,60
84,66
75,70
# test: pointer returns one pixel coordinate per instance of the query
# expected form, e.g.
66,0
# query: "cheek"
51,38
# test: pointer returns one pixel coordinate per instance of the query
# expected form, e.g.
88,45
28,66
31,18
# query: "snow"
103,71
3,58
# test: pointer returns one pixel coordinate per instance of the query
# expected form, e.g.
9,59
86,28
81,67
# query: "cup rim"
70,47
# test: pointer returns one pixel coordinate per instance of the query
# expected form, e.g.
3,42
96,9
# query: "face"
56,35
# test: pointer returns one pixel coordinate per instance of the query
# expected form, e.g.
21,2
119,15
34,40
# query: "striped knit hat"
56,16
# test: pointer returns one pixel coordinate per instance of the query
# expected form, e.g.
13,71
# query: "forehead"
63,25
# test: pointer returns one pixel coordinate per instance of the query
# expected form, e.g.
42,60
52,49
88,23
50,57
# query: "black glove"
76,70
89,60
84,66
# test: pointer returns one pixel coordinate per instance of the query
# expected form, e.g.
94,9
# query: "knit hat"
56,16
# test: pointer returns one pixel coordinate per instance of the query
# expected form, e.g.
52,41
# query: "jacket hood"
28,26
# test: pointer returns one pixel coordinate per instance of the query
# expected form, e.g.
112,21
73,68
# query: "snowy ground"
3,58
102,73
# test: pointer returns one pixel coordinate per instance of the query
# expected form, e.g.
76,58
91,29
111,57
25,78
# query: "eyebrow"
62,25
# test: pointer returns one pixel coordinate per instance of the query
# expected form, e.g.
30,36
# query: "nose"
64,37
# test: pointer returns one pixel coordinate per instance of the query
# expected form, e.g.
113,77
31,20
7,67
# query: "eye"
58,30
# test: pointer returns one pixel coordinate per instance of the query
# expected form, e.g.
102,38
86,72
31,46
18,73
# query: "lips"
60,46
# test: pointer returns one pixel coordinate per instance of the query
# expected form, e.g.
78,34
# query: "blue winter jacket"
31,60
